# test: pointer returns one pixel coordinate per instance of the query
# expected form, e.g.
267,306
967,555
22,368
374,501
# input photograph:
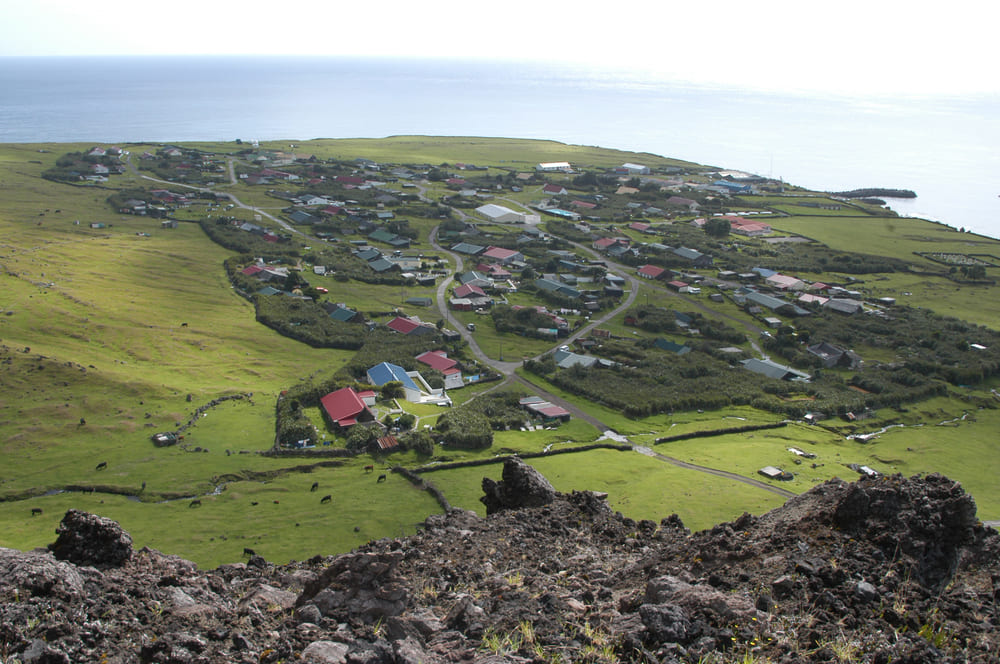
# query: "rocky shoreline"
888,569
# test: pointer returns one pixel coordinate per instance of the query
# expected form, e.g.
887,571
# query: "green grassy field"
107,336
638,486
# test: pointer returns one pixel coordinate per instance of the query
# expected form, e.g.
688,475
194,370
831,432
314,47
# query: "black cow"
381,478
314,486
102,465
325,499
35,511
195,503
255,503
249,552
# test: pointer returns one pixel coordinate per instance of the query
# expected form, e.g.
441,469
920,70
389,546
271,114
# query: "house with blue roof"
415,388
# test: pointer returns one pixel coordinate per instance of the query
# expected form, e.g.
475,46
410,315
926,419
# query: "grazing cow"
276,502
325,499
184,324
314,486
35,511
102,465
195,503
381,478
249,552
254,503
369,469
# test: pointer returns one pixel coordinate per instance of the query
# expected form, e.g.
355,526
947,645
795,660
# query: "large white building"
500,214
636,169
554,166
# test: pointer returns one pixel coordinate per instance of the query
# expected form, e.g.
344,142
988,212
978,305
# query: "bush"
465,428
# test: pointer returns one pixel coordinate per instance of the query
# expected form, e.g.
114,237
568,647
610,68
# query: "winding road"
508,368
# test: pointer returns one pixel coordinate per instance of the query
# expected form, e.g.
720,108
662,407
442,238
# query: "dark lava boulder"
521,486
88,539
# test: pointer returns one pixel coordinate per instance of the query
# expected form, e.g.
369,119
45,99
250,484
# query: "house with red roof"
651,272
583,205
410,326
439,360
493,271
503,256
641,227
468,290
344,408
741,226
555,190
608,243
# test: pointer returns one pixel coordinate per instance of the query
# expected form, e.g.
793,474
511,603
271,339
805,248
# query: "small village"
555,254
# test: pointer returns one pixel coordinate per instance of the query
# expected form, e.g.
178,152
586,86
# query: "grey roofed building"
473,278
382,265
557,287
420,301
843,306
833,355
774,303
774,370
300,217
671,346
343,314
696,258
381,235
368,254
468,248
618,250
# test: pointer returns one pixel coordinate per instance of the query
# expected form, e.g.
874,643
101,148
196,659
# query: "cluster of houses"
407,266
347,406
833,298
187,162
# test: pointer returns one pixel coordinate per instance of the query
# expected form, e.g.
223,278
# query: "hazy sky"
845,46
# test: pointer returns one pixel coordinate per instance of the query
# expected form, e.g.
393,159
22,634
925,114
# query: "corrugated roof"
343,406
437,359
383,373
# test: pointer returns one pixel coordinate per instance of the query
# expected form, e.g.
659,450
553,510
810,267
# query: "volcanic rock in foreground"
887,569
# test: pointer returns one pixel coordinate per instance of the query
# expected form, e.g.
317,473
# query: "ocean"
943,148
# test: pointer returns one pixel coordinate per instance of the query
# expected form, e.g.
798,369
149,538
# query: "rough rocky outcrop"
520,486
88,539
887,569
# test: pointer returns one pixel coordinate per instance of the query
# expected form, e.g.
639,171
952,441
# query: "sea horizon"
938,146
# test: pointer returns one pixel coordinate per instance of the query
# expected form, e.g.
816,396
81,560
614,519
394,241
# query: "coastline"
938,148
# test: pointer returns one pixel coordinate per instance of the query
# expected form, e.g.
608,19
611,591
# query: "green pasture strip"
961,450
897,237
638,486
493,343
519,154
297,527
